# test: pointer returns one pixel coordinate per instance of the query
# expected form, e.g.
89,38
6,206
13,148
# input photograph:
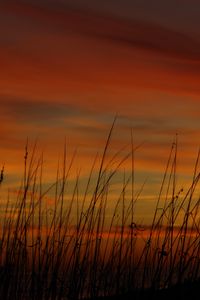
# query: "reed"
72,250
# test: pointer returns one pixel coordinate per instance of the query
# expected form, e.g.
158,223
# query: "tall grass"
70,249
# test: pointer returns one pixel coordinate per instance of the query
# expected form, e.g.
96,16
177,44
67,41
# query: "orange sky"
67,67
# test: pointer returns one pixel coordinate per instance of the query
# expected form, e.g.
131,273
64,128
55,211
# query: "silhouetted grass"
70,249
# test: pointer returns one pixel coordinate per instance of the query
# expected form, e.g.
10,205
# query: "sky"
69,67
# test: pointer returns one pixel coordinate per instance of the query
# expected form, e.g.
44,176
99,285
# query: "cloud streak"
49,51
29,111
132,33
143,35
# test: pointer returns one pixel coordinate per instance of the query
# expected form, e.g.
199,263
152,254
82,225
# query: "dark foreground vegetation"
185,291
68,248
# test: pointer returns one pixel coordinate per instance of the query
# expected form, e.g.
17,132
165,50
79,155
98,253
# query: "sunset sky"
68,67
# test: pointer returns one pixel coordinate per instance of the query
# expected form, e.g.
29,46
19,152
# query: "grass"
72,250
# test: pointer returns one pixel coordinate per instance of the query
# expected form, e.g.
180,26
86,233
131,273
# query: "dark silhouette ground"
184,291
